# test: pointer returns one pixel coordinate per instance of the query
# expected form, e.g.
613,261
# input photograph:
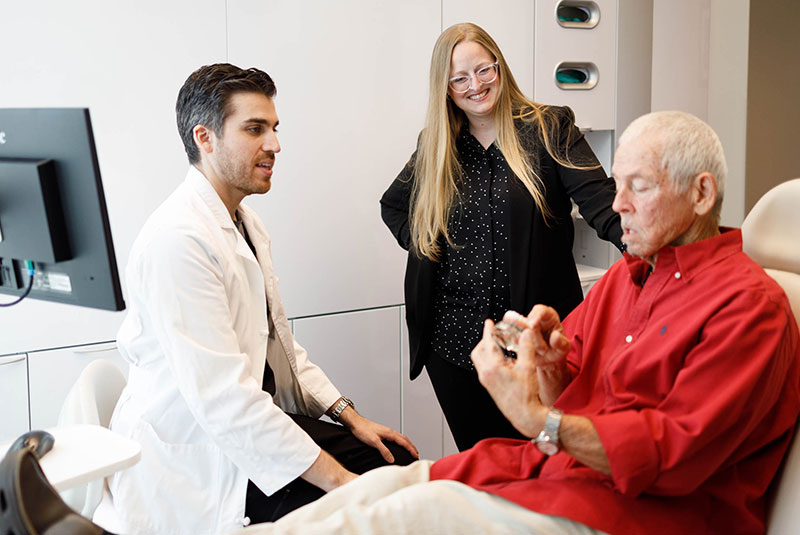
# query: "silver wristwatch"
340,407
547,441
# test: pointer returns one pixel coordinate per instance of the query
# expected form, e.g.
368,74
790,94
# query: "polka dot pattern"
473,279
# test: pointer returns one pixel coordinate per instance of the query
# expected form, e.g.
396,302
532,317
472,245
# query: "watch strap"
548,439
339,408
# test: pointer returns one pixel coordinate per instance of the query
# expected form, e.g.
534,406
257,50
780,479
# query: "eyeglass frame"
474,75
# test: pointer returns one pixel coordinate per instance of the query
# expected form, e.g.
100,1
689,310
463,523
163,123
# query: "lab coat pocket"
175,483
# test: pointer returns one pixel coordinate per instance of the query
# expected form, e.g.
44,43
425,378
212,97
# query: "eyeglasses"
485,75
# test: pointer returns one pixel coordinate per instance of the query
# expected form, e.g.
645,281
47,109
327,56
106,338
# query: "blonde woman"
483,207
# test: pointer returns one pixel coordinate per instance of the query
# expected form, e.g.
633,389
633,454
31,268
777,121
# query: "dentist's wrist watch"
340,407
547,441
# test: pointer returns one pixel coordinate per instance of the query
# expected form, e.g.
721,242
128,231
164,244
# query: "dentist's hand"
373,434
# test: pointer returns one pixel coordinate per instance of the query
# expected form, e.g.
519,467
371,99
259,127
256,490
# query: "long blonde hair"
436,168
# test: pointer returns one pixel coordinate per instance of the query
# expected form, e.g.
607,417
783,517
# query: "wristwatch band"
547,441
340,407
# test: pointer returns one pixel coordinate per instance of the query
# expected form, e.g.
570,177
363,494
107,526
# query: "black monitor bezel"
65,136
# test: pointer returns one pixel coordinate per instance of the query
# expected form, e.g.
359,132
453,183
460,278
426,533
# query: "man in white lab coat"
219,391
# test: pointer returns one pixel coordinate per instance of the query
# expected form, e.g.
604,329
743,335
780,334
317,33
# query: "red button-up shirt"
692,381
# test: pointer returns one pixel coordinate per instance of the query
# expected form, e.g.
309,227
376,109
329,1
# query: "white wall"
351,77
680,56
700,55
126,62
727,96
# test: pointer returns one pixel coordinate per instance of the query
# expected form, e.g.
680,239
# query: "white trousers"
396,500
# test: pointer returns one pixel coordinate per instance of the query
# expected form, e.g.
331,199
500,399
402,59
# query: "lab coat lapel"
253,271
220,213
261,242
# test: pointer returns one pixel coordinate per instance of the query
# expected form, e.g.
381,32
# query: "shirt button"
245,521
629,339
677,274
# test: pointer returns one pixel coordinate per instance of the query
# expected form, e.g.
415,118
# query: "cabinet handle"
11,359
571,75
96,348
583,14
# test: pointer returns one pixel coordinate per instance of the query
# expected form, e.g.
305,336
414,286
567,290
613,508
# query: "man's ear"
704,193
202,136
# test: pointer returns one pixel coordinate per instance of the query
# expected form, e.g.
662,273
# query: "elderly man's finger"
488,329
559,343
526,346
487,349
514,317
545,317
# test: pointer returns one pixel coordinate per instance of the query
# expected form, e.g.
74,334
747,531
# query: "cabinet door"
360,354
13,397
52,374
579,52
423,421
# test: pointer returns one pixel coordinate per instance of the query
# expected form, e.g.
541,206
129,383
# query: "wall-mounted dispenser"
583,14
574,75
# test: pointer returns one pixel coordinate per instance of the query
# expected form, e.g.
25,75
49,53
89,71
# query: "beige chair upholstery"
771,234
91,401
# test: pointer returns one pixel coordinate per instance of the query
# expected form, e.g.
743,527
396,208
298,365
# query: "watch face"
547,447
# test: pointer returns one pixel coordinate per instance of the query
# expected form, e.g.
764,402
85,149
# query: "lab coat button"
245,521
629,339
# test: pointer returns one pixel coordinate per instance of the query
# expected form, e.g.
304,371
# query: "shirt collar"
691,258
466,139
200,184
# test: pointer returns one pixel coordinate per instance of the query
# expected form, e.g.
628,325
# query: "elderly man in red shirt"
664,403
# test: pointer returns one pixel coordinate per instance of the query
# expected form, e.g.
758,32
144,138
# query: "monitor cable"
29,265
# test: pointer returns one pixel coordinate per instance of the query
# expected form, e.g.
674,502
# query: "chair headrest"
771,231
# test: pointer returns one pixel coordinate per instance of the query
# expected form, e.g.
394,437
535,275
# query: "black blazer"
541,263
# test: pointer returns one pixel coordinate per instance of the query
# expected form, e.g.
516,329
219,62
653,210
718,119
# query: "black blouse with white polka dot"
472,281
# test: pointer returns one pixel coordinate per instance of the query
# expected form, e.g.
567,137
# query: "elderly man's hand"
550,347
512,383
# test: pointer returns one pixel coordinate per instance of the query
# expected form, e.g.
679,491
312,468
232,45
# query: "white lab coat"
196,335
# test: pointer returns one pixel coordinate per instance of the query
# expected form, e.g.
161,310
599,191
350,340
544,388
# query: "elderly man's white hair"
687,146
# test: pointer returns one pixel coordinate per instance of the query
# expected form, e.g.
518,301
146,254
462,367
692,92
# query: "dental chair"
29,505
771,236
91,401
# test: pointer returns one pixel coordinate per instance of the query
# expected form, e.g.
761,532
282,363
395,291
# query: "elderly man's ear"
704,193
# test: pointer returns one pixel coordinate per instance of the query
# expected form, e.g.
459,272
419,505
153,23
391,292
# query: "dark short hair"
205,98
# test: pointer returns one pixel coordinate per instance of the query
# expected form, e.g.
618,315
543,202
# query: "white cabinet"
423,421
586,58
13,397
360,353
52,374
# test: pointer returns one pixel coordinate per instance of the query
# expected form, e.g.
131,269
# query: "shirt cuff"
630,449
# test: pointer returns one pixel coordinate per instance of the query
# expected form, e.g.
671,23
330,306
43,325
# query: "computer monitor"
53,219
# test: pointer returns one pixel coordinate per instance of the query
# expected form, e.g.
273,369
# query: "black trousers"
470,411
342,445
